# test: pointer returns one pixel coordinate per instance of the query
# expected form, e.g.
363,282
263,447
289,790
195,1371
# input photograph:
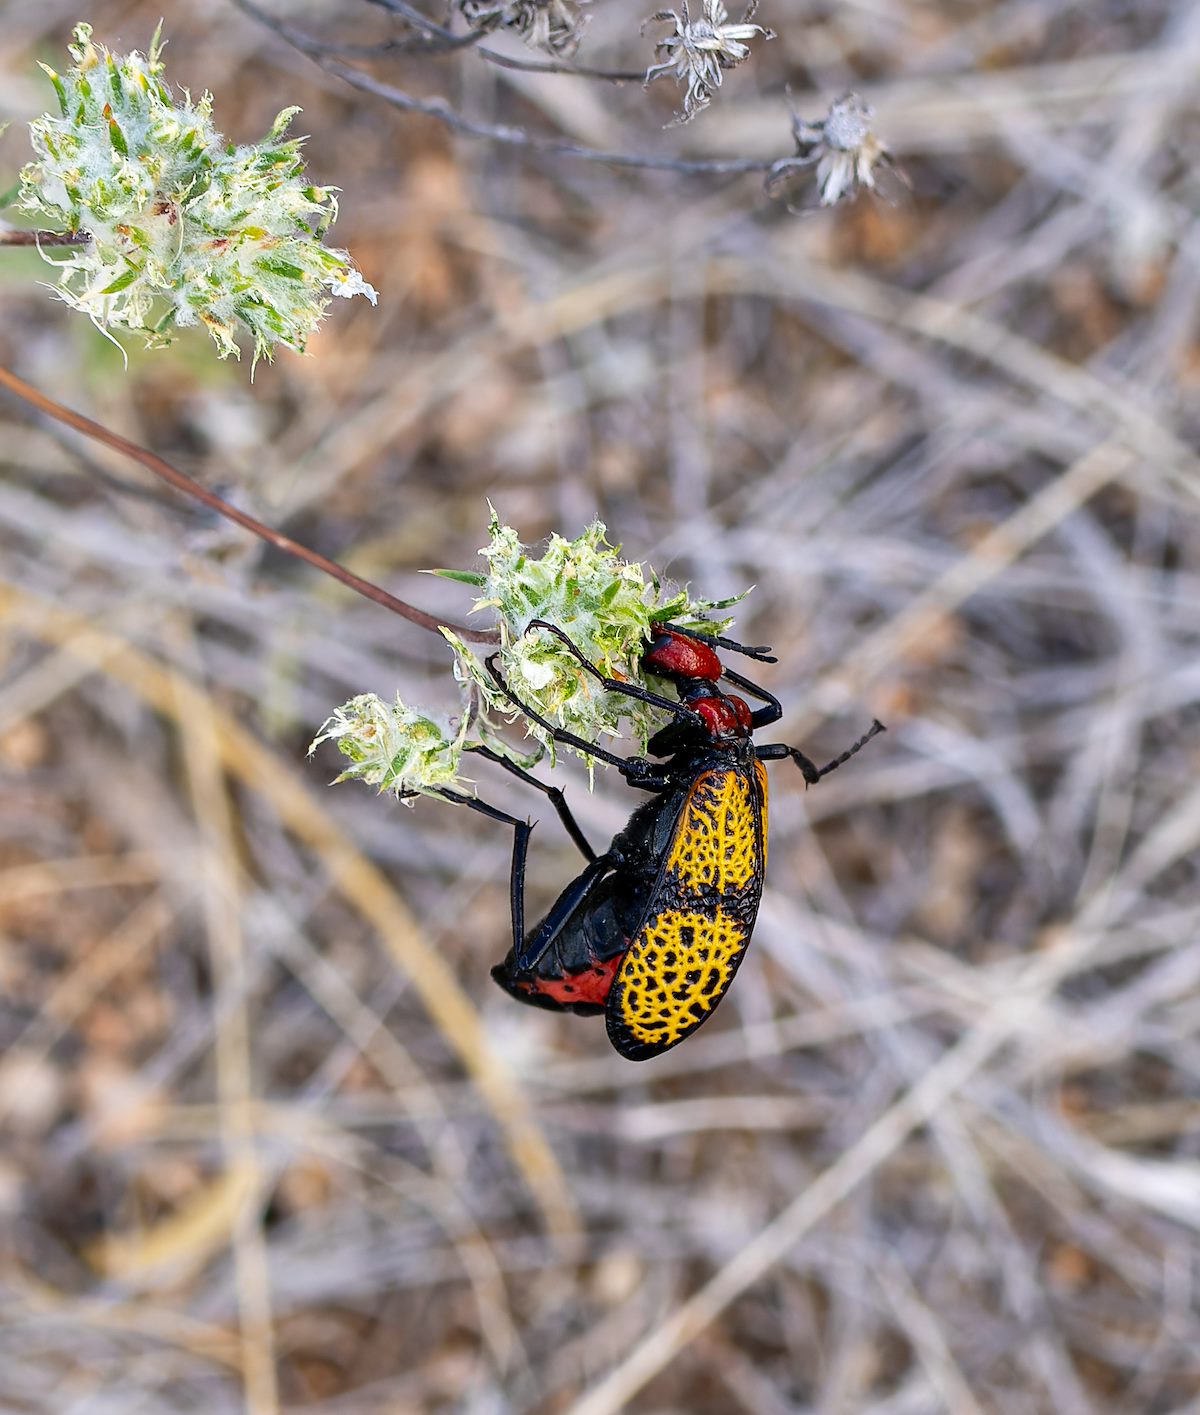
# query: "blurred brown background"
272,1140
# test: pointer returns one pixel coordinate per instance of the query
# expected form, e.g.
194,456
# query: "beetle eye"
657,656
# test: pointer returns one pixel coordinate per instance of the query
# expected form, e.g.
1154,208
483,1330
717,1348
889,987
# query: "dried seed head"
844,148
847,125
698,52
553,26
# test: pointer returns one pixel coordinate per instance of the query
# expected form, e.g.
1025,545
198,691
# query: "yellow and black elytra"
652,931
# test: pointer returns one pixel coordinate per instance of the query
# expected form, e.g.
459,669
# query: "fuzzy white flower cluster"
185,228
395,748
604,605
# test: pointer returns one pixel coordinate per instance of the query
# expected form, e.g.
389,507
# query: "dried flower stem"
440,109
549,66
517,137
189,487
435,38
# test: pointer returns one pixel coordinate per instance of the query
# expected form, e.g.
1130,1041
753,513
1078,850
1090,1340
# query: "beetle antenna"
761,652
875,729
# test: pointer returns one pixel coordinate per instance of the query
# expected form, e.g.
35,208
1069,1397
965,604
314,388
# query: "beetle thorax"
726,718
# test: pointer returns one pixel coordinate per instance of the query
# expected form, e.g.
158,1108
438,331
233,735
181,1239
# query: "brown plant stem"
44,238
190,487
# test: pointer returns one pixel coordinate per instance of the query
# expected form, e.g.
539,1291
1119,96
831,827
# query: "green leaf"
273,265
280,125
117,137
464,577
155,51
59,86
726,603
122,282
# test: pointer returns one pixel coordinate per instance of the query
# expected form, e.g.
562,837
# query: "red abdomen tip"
591,984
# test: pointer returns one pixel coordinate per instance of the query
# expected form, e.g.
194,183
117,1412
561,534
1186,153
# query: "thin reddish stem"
44,238
189,487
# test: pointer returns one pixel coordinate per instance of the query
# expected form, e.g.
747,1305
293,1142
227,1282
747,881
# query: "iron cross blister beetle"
652,931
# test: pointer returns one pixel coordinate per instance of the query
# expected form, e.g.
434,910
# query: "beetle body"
652,931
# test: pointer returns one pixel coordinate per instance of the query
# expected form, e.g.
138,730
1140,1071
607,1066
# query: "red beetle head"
675,655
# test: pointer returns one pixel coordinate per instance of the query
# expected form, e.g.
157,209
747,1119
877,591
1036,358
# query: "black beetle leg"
528,952
633,769
762,717
761,652
522,830
556,797
615,685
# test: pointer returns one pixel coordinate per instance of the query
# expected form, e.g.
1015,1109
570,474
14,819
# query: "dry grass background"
272,1140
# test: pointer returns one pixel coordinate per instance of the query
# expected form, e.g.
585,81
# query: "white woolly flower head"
603,604
396,748
185,227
